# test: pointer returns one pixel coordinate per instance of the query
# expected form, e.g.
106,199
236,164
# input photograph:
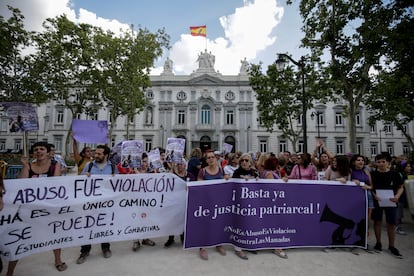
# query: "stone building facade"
209,109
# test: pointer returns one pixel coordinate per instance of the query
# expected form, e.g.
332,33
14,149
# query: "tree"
392,97
352,33
280,97
16,80
65,65
277,95
124,64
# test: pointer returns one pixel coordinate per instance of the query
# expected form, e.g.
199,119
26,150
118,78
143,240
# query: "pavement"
176,261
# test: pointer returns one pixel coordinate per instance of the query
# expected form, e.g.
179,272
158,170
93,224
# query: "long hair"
342,165
306,157
354,158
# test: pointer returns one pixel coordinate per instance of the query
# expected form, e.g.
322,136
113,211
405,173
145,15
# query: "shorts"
370,200
390,214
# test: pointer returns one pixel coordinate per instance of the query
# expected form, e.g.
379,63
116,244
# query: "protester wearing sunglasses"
246,169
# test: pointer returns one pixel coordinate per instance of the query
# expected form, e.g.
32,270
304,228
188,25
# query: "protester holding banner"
143,169
82,158
270,172
180,170
245,171
339,170
42,166
303,168
360,174
210,172
321,159
232,165
101,165
389,183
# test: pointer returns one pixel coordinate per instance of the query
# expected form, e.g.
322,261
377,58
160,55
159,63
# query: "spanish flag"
198,30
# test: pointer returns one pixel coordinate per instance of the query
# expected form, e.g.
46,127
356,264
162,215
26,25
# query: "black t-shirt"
389,180
240,173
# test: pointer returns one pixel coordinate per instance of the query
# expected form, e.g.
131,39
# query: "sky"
255,30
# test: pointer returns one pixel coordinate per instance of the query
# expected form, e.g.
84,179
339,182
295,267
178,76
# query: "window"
390,149
404,128
340,147
263,145
282,146
339,119
374,149
2,144
358,119
321,119
229,117
149,94
181,117
31,142
4,125
148,144
93,116
17,144
300,120
406,149
205,115
373,129
300,146
59,117
388,128
58,143
359,147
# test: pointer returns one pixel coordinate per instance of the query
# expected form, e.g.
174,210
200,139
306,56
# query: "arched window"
205,115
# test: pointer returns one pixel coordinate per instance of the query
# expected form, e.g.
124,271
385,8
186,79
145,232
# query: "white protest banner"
41,214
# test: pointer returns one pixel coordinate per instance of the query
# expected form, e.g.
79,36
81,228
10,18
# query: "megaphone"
328,215
343,223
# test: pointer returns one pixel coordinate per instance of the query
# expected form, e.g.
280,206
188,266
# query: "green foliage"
65,63
392,97
279,97
80,65
354,35
124,69
16,80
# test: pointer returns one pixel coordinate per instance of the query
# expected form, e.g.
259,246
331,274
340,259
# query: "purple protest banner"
90,131
268,214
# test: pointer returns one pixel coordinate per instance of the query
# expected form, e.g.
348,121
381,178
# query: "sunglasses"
245,160
210,157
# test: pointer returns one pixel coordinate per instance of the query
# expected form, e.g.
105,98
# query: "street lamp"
280,65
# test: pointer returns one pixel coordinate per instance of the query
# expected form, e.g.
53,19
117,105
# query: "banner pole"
25,149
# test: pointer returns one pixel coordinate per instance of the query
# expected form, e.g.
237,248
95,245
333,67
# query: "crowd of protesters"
385,172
